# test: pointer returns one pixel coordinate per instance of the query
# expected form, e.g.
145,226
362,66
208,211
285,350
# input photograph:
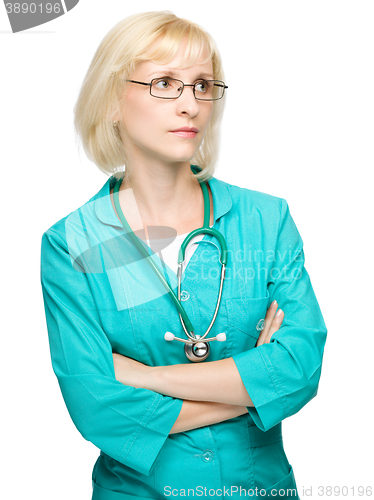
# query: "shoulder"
78,217
251,200
249,209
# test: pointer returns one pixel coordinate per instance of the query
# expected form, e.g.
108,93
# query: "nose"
187,104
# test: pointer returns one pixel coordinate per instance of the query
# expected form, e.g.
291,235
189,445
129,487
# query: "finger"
268,320
275,325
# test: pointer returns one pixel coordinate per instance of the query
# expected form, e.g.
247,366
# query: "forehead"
150,69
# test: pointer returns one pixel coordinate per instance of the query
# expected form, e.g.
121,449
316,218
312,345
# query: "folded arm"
169,379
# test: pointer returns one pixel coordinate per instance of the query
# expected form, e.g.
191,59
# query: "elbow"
106,413
305,393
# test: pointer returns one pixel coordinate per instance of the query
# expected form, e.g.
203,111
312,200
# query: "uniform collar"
222,201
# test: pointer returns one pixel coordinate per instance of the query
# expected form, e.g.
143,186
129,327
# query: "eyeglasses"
170,88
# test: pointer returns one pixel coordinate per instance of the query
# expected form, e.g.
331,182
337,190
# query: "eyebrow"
171,73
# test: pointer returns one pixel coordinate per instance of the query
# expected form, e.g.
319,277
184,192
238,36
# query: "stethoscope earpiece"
169,336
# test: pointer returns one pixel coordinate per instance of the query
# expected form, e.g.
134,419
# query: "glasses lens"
209,90
166,88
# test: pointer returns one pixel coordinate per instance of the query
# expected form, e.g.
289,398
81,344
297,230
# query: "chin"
184,159
181,156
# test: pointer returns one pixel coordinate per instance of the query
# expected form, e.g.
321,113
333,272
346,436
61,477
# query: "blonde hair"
154,36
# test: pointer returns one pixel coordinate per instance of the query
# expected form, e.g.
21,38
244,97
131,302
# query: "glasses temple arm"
140,83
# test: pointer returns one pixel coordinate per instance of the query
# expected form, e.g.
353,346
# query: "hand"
272,324
130,372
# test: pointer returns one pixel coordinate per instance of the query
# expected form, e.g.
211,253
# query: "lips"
185,129
187,132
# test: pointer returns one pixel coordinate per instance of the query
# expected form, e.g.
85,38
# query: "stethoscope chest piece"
198,351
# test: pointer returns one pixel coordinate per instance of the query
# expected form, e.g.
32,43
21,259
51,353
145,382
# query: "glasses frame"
183,85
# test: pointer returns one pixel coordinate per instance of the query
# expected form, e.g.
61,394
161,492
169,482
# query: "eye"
202,86
163,83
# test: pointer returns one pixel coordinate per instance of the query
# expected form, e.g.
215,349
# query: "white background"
298,125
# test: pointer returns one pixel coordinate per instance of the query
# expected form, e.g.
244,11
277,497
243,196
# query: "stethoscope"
196,347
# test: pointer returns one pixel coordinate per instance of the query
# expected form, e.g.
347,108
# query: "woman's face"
149,122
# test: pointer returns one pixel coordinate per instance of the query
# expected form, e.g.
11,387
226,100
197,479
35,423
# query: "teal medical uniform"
100,297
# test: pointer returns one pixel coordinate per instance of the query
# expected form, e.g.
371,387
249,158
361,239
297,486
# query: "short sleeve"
283,375
129,424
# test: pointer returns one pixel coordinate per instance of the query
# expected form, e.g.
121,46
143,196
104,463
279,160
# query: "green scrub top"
101,297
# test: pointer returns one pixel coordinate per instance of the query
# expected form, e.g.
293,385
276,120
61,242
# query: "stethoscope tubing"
194,338
185,321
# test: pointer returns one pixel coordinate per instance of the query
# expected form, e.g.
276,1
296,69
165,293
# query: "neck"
164,193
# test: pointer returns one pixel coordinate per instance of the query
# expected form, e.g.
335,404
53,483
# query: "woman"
167,426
